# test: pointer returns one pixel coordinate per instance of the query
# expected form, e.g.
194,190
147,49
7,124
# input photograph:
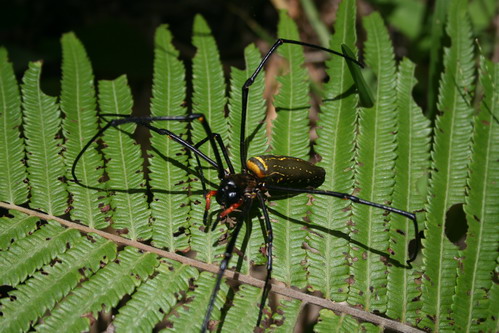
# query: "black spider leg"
225,261
355,199
269,237
225,153
145,121
245,89
224,150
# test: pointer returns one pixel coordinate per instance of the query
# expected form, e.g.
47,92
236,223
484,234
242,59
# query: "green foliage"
478,259
451,153
208,97
411,170
124,162
31,253
61,280
290,137
15,227
54,282
42,122
78,103
190,317
328,262
12,186
286,316
374,171
154,298
256,138
246,303
169,207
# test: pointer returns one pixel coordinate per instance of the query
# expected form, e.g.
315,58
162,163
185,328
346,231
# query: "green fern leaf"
243,314
34,251
154,298
286,316
12,186
48,286
42,120
374,173
15,227
256,138
451,151
412,169
189,318
168,178
290,137
328,265
124,163
106,288
208,98
79,125
471,301
329,322
255,120
435,62
493,312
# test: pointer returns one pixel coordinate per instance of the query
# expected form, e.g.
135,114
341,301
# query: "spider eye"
229,193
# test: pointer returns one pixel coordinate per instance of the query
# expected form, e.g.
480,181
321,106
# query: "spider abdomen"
286,171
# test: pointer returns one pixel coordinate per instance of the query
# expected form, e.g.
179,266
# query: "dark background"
118,35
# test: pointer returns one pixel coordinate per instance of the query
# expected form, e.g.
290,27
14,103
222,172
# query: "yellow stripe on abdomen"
257,166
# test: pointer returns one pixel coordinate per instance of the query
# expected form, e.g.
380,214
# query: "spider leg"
225,261
224,150
269,235
146,122
358,200
251,79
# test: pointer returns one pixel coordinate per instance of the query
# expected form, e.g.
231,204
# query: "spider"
260,175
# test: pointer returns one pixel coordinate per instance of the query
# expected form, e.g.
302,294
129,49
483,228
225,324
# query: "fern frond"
154,298
286,316
12,186
243,314
255,120
329,321
42,121
435,66
167,162
78,103
124,164
34,251
106,288
14,228
256,138
412,169
493,310
451,152
48,286
208,98
189,317
471,302
328,265
290,137
374,173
